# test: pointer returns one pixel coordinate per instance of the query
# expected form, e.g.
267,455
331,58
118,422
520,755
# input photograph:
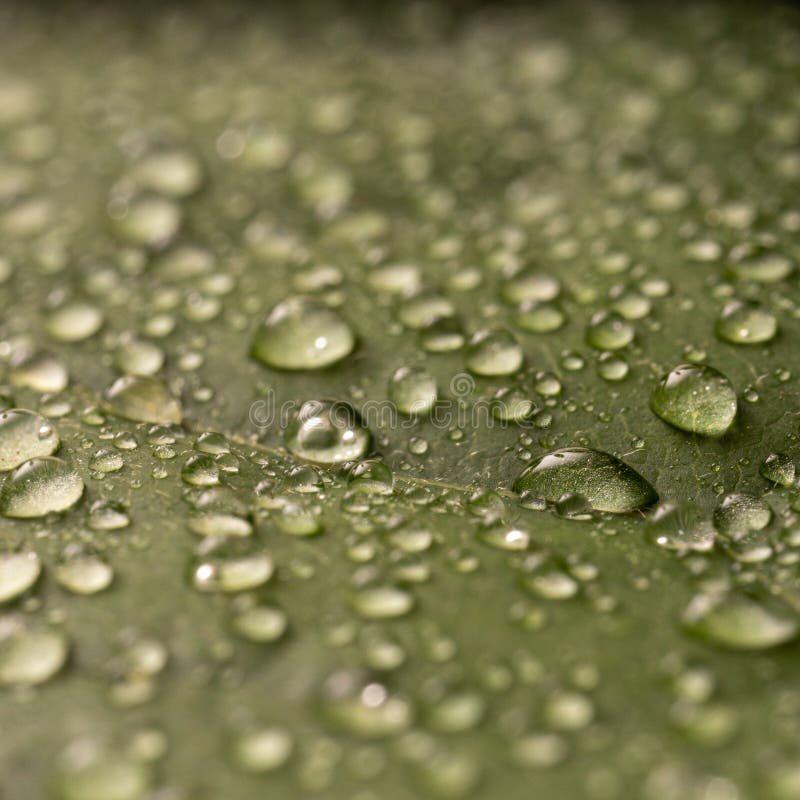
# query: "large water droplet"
29,654
609,331
746,323
494,353
740,622
697,399
413,390
143,399
301,334
18,573
604,481
74,322
327,432
40,486
25,435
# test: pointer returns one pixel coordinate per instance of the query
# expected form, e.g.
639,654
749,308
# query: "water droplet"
738,514
424,310
263,750
175,173
512,405
779,469
106,460
29,654
200,469
413,390
603,480
84,573
261,623
219,524
327,432
506,537
494,353
301,334
568,711
40,371
530,285
138,356
228,570
739,622
18,573
746,323
74,322
143,399
609,331
697,399
539,317
371,477
149,221
381,602
25,435
364,709
40,486
758,264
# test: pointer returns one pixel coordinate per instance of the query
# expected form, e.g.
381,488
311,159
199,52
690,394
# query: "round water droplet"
84,573
494,353
530,285
612,367
29,654
506,537
425,310
604,481
261,623
609,331
74,322
746,323
371,477
138,357
413,390
143,399
381,602
106,460
779,469
18,573
327,432
25,435
738,514
364,709
263,750
40,486
539,317
740,622
149,221
512,405
697,399
200,470
40,371
219,524
301,334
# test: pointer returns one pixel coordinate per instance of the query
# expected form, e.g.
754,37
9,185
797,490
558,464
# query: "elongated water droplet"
604,481
697,399
302,334
740,622
25,435
40,486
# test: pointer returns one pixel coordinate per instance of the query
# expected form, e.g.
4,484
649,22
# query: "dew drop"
695,398
609,331
604,481
327,432
143,399
29,654
413,390
301,334
18,573
40,486
494,353
746,323
25,435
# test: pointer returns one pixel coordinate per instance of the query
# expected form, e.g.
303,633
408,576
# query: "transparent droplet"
381,602
778,468
494,353
74,322
143,399
40,486
301,334
19,571
697,399
746,323
413,390
262,750
29,653
603,480
609,331
327,432
25,435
